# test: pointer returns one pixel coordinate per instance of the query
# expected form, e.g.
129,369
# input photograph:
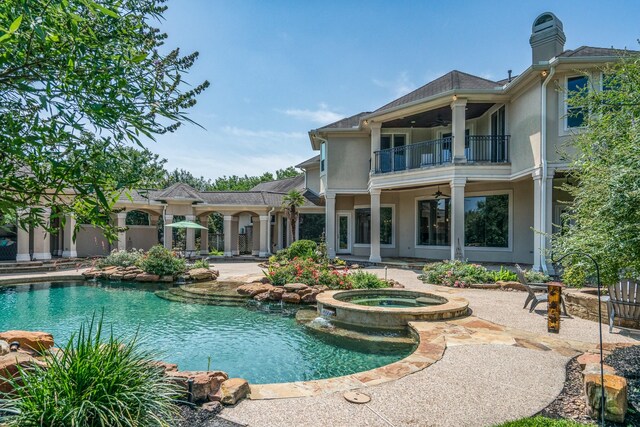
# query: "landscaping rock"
200,274
204,383
310,298
321,288
91,273
116,276
303,292
9,367
4,347
165,366
29,341
294,287
166,279
233,390
588,358
291,297
509,285
130,276
615,396
275,294
262,297
253,289
146,277
265,280
594,368
213,407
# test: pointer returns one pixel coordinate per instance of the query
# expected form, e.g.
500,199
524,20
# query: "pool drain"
355,397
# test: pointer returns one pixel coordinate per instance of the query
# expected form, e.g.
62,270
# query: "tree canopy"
604,218
79,80
225,183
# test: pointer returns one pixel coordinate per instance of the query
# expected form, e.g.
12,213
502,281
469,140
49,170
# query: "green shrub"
455,273
91,383
536,276
574,275
121,258
364,280
303,249
214,252
504,275
201,263
541,422
162,262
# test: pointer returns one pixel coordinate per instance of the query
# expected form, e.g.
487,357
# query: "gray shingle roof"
583,51
315,160
179,191
452,80
347,122
281,185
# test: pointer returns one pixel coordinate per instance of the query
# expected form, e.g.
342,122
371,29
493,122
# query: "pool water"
388,300
262,347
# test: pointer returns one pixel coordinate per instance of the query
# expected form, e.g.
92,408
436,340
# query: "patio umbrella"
186,224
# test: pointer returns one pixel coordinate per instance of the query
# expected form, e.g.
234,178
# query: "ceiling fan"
441,121
438,194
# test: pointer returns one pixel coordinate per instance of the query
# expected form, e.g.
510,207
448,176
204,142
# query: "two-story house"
462,167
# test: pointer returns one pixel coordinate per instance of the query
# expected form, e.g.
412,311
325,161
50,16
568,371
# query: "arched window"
137,218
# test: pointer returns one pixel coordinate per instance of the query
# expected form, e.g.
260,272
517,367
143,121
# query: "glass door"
343,233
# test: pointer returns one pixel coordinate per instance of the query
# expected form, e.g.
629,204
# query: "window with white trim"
323,156
486,221
363,225
433,228
575,115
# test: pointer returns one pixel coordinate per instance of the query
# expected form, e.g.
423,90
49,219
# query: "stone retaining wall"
584,304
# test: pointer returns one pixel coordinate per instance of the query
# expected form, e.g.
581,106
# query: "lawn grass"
540,422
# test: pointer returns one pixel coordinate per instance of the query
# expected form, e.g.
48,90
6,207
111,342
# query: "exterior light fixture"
455,97
544,73
366,122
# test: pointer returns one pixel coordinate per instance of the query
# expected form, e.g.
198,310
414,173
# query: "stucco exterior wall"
312,176
141,237
523,124
348,162
90,241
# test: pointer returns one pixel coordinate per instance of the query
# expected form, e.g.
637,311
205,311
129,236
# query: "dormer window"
323,156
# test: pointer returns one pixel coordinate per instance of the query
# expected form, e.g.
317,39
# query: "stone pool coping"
434,338
28,279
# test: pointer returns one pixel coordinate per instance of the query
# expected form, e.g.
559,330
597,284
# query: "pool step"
182,294
171,296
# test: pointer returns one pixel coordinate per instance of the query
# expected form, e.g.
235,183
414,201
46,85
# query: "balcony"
478,149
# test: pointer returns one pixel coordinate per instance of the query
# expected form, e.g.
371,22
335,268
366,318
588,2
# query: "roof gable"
179,191
451,81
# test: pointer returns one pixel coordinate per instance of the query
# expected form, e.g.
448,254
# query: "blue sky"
280,68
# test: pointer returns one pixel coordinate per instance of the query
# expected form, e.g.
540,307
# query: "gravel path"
470,386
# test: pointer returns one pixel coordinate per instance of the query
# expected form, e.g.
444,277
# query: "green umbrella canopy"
186,224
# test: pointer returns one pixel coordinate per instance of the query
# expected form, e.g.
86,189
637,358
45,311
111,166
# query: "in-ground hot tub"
388,308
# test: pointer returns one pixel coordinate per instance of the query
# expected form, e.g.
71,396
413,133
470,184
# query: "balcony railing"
487,148
478,148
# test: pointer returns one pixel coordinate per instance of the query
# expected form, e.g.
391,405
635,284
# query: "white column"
235,235
264,236
122,235
168,232
457,218
228,219
204,235
69,250
458,125
255,235
375,143
41,242
374,255
297,228
330,224
548,225
190,247
537,219
22,241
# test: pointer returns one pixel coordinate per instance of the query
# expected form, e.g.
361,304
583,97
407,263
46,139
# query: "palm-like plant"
291,202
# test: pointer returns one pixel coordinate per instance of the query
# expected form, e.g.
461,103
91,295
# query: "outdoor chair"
532,297
624,301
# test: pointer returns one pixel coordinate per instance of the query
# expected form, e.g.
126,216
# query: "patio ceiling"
437,117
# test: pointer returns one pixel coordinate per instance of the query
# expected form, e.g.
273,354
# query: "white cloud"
262,134
398,87
322,115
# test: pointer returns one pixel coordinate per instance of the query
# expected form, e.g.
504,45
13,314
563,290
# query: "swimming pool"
262,347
